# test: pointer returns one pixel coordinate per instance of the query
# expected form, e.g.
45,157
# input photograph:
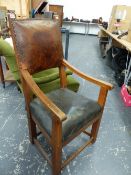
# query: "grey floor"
110,155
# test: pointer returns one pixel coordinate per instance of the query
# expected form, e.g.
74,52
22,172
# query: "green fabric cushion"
8,52
16,75
48,75
72,84
43,76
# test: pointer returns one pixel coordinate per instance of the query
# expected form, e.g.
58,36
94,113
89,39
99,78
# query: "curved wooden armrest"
58,114
86,77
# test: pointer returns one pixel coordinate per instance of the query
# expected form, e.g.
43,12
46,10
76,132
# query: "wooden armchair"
60,115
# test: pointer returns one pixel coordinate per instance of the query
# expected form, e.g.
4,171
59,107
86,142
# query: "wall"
89,9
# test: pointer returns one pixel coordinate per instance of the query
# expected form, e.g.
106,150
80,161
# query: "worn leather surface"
38,43
79,111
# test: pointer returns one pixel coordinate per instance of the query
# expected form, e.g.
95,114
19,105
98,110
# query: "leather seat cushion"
79,110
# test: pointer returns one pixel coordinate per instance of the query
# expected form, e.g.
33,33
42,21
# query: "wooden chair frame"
58,116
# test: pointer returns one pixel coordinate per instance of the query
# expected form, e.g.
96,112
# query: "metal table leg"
66,31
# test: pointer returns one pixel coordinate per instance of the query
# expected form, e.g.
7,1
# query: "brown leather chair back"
38,43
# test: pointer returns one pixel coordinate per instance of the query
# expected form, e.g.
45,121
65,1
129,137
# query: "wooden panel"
129,33
21,7
59,10
120,10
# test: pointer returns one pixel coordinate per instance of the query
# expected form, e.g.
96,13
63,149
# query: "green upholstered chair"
47,80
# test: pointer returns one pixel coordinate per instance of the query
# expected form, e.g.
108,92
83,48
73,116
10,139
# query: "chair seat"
79,110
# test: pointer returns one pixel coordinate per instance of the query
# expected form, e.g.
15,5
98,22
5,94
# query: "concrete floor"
110,155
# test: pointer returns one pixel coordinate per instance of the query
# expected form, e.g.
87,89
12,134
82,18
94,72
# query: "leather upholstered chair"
60,115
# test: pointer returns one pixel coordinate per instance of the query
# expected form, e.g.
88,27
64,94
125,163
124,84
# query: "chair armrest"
86,77
58,114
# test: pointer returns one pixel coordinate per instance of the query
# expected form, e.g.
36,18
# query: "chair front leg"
101,101
28,97
56,147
